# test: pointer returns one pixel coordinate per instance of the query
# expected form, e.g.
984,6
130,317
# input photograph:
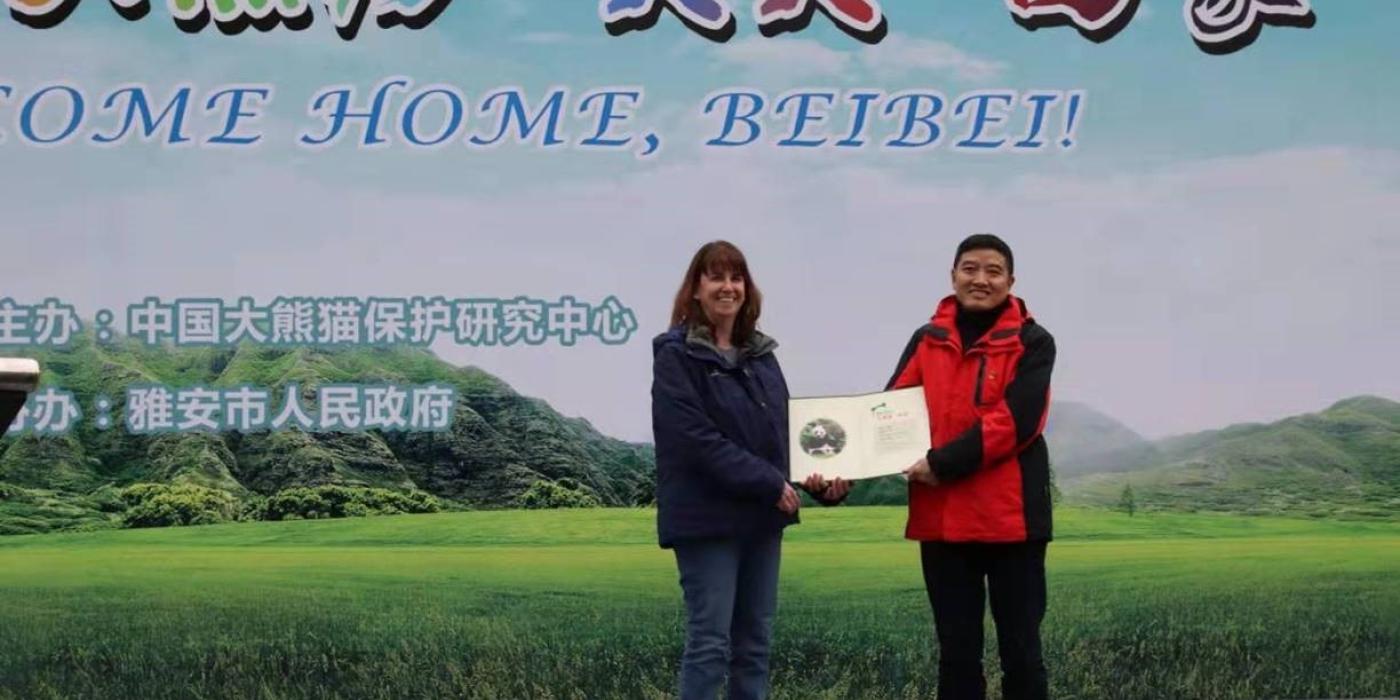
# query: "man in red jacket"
979,502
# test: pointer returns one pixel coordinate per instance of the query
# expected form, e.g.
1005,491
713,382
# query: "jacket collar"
944,323
701,343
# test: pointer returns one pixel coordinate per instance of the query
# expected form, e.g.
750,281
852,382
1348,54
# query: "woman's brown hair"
717,257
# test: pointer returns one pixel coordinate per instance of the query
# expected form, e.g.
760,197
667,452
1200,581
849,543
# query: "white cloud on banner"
898,55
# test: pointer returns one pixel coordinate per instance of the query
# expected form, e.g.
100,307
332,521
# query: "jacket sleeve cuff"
774,490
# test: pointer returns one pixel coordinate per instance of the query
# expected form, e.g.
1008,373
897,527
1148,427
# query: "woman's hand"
789,501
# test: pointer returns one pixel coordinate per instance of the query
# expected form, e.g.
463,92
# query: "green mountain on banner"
1343,461
499,445
1083,440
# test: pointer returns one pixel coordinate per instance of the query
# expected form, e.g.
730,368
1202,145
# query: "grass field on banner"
567,604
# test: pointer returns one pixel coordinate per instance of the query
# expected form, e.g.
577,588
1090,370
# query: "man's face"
980,279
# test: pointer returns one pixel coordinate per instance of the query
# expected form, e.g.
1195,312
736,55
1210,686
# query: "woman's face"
721,295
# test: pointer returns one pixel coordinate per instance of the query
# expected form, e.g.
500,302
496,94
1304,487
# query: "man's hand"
921,472
789,501
829,491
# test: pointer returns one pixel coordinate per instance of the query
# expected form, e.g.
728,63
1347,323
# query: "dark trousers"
731,597
958,577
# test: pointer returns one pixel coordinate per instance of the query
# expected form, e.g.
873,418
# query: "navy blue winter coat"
721,437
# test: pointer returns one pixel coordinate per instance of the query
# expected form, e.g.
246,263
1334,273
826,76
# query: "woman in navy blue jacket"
719,417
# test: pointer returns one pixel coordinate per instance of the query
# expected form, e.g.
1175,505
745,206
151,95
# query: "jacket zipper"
758,394
981,372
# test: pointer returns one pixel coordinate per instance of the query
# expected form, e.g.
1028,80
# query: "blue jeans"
731,595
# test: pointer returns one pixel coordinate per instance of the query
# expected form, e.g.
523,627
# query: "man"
979,502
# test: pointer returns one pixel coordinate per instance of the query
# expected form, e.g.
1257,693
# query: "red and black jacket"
987,406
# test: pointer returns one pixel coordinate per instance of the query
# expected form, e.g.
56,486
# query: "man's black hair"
986,241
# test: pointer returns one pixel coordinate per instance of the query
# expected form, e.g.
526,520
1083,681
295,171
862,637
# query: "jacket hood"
699,342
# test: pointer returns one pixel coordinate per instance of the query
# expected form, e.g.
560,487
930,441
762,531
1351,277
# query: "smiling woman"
719,411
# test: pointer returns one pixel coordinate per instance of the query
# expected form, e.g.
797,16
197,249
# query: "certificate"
857,437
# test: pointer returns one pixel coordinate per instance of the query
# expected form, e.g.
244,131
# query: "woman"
719,416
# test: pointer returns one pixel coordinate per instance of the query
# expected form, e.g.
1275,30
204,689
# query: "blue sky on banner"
1301,87
1221,224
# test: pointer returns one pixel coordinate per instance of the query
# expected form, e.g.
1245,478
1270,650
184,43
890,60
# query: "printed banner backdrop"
293,267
